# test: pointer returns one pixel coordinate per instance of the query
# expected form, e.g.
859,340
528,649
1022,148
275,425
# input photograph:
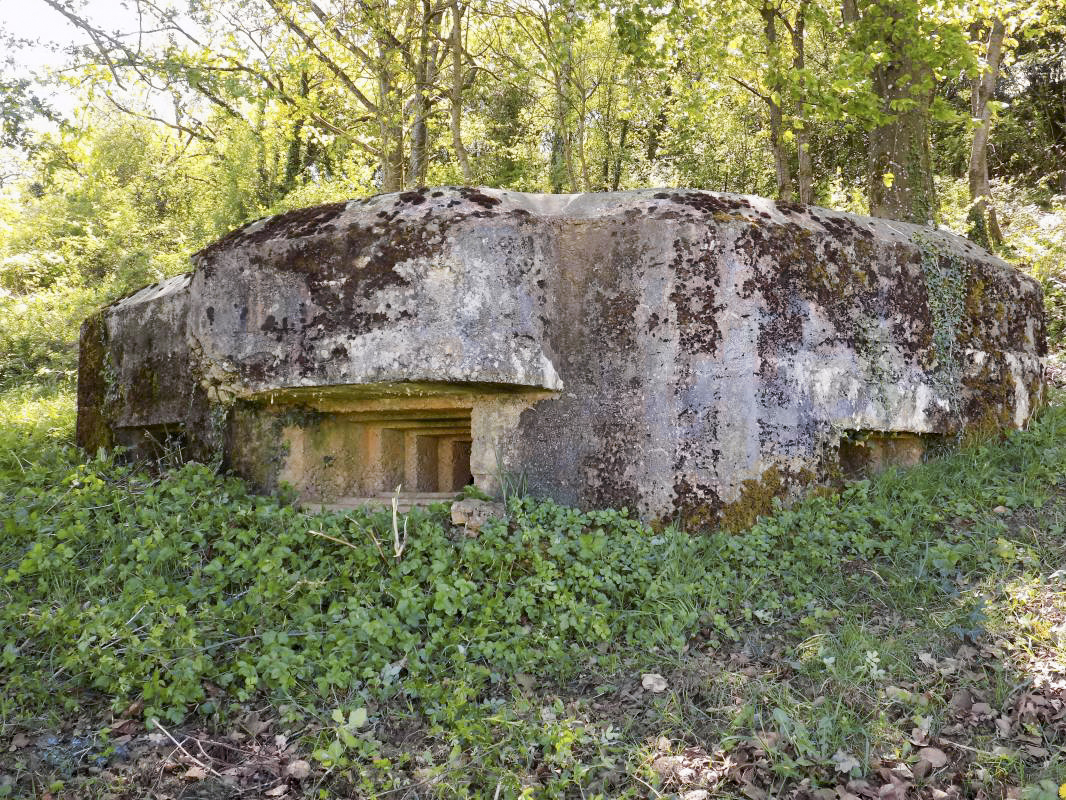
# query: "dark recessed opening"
863,453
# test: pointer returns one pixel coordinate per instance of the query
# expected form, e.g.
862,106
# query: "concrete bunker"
674,352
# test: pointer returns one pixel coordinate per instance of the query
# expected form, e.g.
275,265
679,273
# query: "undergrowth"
187,592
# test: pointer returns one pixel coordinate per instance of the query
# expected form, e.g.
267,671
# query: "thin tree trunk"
296,158
984,227
416,169
605,165
391,133
558,166
579,138
804,167
616,177
425,77
658,127
562,161
782,169
458,82
606,121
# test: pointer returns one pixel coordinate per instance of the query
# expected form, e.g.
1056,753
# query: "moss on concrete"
94,427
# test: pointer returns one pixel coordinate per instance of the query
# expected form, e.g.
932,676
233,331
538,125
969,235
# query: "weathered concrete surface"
685,354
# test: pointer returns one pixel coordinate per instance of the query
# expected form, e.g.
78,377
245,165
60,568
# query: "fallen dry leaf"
278,791
194,774
896,790
254,725
124,726
298,769
898,693
768,739
134,708
966,653
936,757
962,700
844,762
667,767
861,788
653,682
903,772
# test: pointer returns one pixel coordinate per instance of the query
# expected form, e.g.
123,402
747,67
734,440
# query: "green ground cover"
557,654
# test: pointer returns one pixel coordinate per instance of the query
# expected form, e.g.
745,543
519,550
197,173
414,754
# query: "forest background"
158,127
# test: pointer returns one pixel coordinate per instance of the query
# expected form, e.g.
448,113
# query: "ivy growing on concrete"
946,279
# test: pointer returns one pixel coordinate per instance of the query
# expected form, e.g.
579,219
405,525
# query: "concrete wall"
681,353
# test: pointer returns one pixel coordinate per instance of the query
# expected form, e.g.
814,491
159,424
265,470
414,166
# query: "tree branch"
322,56
764,97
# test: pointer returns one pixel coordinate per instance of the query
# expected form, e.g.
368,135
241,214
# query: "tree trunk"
804,167
557,167
616,176
458,82
658,127
296,159
416,170
901,162
984,227
390,130
562,163
782,168
900,157
425,78
579,139
561,167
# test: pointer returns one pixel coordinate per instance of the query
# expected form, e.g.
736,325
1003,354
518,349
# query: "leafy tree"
908,47
995,30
